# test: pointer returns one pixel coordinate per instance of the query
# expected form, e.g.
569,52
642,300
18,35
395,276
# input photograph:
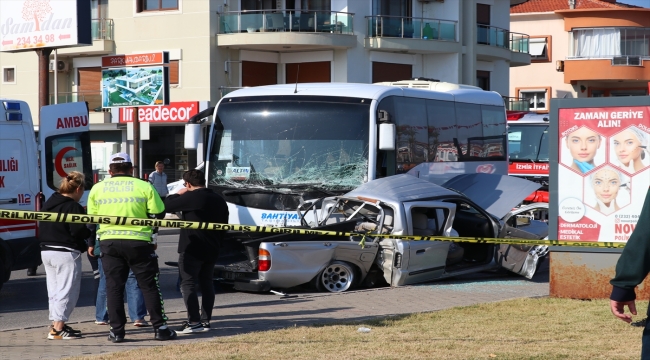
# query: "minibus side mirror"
386,136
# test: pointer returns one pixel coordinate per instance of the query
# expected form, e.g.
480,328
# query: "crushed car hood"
497,194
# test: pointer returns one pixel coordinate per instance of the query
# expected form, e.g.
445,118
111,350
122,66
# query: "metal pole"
56,78
136,142
43,77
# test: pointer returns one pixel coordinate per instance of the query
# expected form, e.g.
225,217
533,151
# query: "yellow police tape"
179,224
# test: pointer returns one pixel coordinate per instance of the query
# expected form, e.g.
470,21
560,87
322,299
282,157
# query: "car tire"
339,276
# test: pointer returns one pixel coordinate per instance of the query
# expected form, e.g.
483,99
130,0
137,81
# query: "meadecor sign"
175,112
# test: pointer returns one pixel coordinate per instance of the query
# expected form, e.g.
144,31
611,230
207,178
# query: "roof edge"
569,11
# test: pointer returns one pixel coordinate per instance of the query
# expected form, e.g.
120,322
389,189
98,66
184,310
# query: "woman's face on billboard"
627,146
606,184
583,144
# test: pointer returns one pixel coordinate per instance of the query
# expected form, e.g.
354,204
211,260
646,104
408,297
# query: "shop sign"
157,58
604,171
175,112
31,24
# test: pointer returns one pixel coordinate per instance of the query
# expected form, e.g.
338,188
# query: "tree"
36,9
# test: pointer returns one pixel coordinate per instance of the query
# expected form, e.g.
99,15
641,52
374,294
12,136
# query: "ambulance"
30,171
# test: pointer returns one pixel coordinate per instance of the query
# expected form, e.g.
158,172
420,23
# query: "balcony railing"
312,21
102,29
519,42
94,99
495,36
492,35
410,27
516,104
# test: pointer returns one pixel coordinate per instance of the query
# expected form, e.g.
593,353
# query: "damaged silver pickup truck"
472,205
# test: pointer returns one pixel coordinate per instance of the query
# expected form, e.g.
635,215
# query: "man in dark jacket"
198,249
632,267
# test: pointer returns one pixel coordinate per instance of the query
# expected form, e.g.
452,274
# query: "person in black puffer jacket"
62,245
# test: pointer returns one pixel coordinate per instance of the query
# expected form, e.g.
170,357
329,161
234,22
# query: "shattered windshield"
528,142
263,142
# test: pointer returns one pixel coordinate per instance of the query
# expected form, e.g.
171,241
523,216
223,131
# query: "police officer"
126,246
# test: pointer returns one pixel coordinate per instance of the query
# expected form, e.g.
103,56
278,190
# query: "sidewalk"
278,312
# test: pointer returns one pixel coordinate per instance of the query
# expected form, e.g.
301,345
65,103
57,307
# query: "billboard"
33,24
603,172
143,86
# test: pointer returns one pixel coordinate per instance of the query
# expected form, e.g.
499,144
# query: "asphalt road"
24,302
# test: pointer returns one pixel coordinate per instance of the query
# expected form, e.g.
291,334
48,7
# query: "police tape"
197,225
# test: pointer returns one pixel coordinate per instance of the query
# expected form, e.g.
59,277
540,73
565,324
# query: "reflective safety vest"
123,195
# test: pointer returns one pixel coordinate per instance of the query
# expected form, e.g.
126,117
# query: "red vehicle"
528,150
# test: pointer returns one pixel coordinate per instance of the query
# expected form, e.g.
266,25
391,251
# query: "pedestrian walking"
62,245
631,269
125,247
198,249
159,179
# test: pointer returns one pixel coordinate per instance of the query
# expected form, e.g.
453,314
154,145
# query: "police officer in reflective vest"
126,246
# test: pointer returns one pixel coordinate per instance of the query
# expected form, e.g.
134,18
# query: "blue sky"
643,3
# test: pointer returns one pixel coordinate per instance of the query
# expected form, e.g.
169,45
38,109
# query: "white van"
64,147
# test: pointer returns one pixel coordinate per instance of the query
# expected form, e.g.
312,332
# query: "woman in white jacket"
159,179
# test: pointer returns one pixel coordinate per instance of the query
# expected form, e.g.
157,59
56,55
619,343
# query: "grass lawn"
520,329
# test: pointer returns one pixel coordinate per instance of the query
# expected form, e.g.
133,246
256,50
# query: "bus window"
442,130
468,122
412,134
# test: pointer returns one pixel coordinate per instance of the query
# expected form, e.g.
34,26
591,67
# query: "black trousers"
117,257
195,272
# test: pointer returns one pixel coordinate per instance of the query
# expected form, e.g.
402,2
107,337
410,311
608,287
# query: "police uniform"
125,246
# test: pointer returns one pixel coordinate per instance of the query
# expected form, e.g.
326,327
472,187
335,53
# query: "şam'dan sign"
32,24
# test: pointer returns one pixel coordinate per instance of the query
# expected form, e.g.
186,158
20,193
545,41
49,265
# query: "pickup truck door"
65,145
526,222
424,260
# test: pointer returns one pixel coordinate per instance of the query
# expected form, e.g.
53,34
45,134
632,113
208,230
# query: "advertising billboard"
33,24
142,86
603,172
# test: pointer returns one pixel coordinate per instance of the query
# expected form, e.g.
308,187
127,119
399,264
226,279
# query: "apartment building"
581,48
219,45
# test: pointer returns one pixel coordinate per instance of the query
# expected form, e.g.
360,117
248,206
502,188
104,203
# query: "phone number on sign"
26,40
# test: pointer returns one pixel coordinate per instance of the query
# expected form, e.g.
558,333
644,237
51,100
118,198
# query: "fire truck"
528,150
30,171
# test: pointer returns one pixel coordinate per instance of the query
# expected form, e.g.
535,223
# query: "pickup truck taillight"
264,260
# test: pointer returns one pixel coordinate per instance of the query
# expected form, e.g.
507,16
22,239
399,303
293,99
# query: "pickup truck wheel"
337,277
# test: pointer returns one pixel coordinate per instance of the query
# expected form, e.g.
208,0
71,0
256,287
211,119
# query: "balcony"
277,30
613,69
103,41
502,44
413,35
